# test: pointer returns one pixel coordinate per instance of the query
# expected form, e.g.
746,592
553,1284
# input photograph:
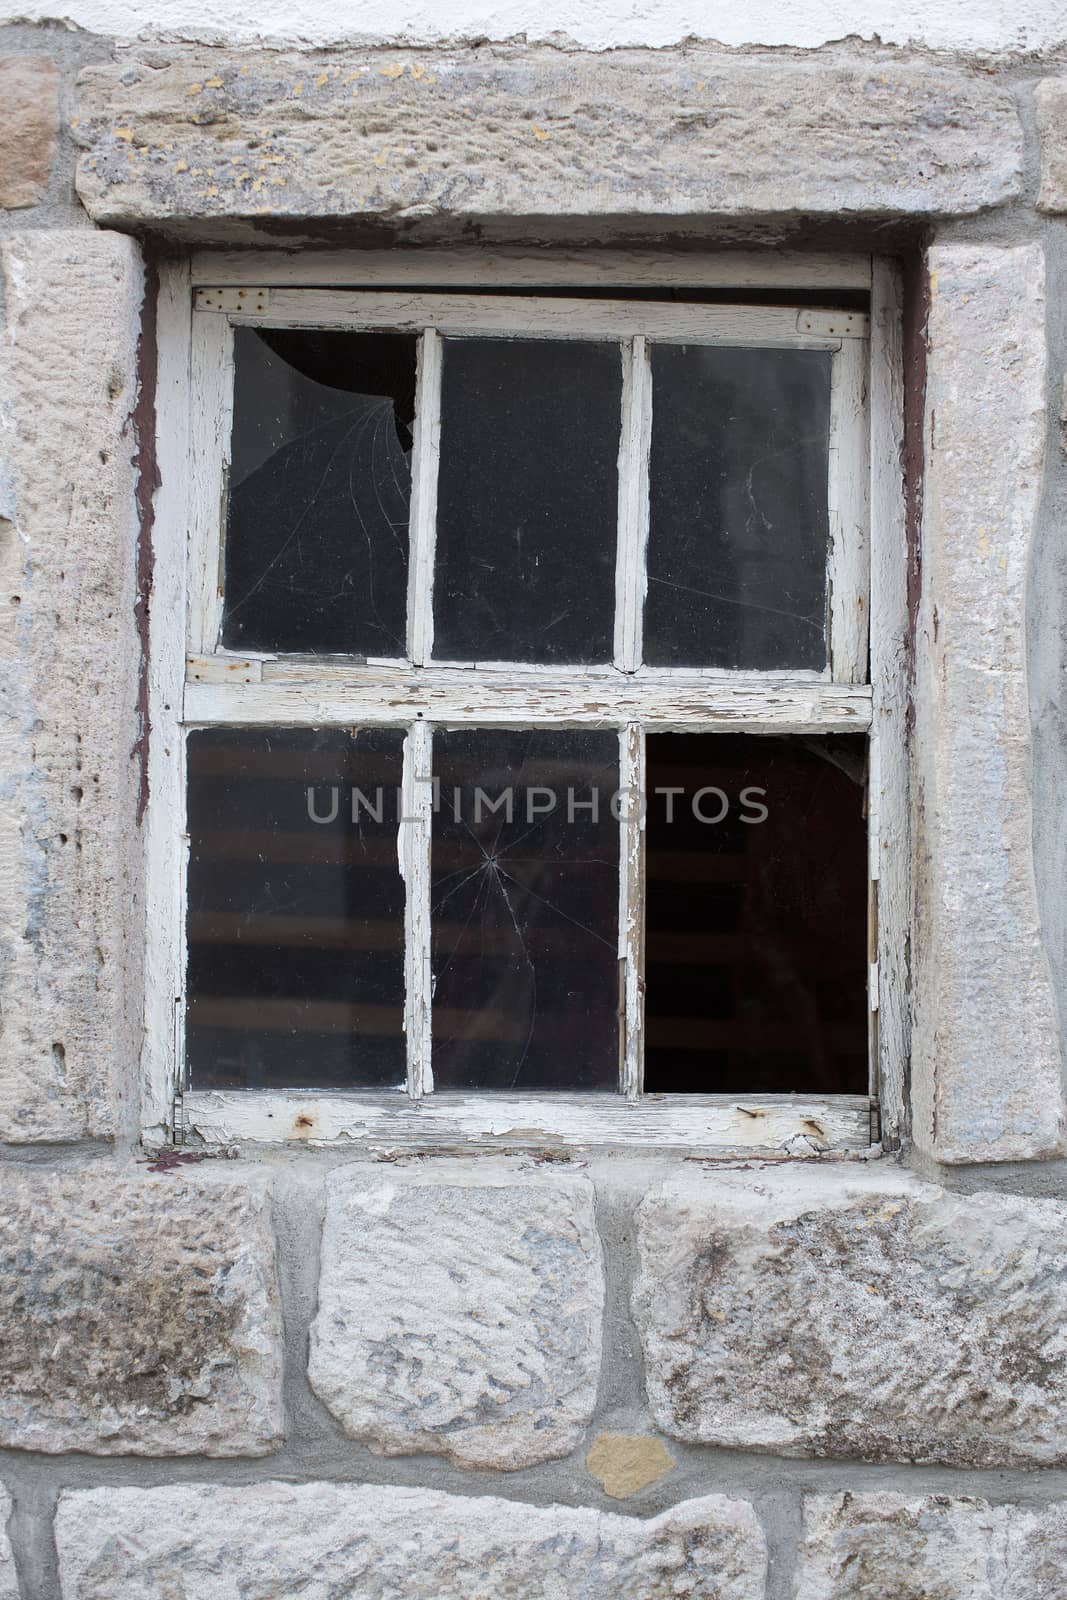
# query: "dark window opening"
756,923
316,545
296,909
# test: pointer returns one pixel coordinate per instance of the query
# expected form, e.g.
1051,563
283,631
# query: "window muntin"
628,695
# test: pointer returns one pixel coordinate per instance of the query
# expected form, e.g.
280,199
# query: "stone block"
855,1313
868,1546
71,924
378,1543
626,1463
460,1313
29,94
223,135
138,1312
9,1583
986,1059
1050,98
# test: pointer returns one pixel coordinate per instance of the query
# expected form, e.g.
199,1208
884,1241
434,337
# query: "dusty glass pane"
527,501
756,929
316,548
738,508
525,896
296,909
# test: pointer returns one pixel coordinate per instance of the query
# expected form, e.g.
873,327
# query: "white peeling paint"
968,25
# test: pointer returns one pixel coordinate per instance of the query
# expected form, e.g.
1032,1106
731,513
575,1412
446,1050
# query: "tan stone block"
376,1543
29,95
626,1463
855,1313
138,1311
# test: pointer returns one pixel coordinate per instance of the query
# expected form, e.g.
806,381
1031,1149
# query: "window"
526,718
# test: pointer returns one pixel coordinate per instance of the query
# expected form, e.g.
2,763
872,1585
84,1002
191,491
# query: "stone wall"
332,1370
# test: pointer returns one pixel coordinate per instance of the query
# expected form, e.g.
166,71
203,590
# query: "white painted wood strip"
518,268
634,443
849,560
632,903
425,457
508,316
695,1124
450,699
165,849
413,844
890,651
212,412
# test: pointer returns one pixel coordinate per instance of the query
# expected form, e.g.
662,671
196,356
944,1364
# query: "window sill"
713,1125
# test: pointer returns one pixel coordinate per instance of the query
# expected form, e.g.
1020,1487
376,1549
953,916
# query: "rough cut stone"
9,1584
626,1463
71,924
986,1063
379,1543
839,1313
201,134
460,1313
29,94
138,1312
869,1546
1051,101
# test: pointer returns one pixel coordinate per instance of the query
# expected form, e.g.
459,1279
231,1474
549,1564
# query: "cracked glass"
524,908
526,501
738,528
316,545
296,909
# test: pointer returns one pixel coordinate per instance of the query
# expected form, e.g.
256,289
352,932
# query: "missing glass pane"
296,909
756,930
739,524
527,498
316,549
525,893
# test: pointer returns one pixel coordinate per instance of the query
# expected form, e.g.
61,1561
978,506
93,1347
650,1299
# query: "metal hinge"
232,299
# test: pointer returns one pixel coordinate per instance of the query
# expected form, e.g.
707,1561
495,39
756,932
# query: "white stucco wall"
1022,26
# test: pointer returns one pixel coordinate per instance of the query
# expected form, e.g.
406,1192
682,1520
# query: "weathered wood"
212,414
518,268
425,457
849,566
712,1124
445,696
165,843
890,829
634,444
632,817
521,316
414,848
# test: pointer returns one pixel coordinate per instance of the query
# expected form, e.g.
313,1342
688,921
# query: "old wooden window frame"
194,683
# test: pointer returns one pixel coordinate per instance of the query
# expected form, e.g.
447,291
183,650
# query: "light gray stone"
9,1583
986,1060
839,1312
29,94
869,1546
460,1313
379,1543
138,1311
71,931
1051,101
212,134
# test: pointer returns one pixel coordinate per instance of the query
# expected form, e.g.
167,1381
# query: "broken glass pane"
525,891
316,549
527,501
296,909
738,508
756,925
